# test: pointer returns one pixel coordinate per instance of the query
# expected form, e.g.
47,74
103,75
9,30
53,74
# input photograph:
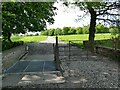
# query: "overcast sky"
67,17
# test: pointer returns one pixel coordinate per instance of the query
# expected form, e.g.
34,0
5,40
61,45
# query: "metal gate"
77,50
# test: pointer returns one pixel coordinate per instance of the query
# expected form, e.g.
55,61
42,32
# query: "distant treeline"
80,30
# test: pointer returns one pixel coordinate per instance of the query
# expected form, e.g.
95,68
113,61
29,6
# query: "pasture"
29,38
101,39
85,37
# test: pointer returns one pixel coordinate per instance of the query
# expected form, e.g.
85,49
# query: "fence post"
57,61
26,48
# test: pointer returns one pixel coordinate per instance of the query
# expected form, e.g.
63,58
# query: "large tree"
106,11
19,17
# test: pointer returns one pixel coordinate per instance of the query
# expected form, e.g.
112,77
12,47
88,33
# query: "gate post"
69,50
57,61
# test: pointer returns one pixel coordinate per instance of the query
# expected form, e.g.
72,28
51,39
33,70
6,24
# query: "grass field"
29,38
81,37
67,38
84,37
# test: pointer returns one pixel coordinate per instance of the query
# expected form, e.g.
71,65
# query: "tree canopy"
105,11
19,17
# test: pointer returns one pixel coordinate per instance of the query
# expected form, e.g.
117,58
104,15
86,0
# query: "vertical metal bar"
54,51
69,50
69,60
87,47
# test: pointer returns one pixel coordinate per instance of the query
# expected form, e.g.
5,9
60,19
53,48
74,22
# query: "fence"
79,50
73,51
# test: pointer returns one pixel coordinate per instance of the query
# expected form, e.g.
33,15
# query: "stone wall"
11,56
106,51
109,52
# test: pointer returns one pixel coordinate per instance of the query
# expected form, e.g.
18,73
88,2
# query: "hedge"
7,45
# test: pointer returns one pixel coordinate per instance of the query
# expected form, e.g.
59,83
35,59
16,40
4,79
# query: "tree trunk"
9,35
92,25
92,28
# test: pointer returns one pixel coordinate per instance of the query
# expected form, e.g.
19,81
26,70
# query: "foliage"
25,16
85,29
44,32
65,30
7,45
97,11
51,32
72,31
79,30
101,29
114,30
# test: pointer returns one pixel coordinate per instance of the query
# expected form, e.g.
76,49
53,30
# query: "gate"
74,51
80,50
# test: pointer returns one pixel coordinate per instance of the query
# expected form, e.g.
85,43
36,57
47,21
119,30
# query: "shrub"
114,31
50,32
101,29
85,29
7,45
72,31
44,32
65,30
79,30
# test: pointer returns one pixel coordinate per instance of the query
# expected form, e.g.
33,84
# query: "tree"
85,29
79,30
72,31
97,11
58,31
114,30
20,17
51,32
101,29
44,32
65,30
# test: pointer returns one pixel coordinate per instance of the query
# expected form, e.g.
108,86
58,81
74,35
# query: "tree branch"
117,21
110,14
109,7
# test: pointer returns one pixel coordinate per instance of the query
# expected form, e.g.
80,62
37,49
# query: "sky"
67,17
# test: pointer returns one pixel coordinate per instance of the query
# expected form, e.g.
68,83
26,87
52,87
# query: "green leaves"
26,16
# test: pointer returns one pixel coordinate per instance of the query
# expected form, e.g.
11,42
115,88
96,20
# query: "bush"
79,30
65,30
7,45
72,31
44,32
50,32
85,29
114,31
101,29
